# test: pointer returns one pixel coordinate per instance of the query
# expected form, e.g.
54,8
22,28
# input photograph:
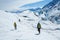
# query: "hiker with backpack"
39,27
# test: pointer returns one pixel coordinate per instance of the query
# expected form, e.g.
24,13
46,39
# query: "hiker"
19,20
15,25
39,27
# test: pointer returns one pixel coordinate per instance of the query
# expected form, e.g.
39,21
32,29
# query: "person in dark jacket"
19,20
39,27
15,25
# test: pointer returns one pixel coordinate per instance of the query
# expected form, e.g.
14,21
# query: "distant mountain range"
50,10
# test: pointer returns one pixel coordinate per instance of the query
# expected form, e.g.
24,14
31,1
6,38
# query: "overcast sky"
14,4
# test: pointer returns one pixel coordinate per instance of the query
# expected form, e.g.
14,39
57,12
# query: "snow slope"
26,28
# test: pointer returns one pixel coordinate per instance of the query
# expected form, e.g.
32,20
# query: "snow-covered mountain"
48,10
52,11
54,14
36,11
50,5
20,11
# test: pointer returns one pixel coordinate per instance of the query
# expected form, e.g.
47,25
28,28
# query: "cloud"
14,4
39,4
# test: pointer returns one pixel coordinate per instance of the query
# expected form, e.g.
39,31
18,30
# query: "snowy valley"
27,23
26,28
